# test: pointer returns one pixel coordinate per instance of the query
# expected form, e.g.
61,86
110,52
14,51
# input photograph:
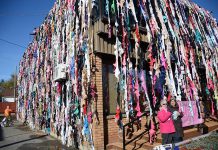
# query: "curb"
195,138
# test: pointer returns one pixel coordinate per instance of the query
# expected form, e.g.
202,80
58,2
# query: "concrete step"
188,132
193,132
142,141
119,146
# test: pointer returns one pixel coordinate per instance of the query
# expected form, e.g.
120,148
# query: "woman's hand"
178,113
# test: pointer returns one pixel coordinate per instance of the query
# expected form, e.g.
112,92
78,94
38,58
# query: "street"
20,137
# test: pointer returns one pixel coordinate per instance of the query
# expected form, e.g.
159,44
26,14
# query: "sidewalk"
20,137
208,141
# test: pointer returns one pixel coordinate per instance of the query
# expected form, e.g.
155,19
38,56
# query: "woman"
177,121
167,128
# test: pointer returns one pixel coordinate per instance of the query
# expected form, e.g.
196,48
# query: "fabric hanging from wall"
56,91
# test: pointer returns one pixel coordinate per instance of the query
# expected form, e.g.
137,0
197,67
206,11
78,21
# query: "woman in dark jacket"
176,116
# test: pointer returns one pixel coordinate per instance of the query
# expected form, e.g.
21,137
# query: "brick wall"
98,129
112,129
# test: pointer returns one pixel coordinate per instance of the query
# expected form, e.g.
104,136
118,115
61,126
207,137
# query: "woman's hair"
176,104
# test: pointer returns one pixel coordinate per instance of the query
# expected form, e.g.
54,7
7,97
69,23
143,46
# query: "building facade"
93,64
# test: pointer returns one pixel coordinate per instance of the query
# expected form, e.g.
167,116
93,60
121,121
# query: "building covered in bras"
93,62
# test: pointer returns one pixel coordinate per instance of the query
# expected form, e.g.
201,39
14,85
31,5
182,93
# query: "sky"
18,18
211,5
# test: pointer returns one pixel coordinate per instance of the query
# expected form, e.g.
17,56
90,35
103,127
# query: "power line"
6,41
23,14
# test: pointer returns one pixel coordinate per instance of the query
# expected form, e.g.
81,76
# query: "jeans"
8,121
167,138
177,139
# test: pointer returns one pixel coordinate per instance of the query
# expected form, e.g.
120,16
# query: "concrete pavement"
20,137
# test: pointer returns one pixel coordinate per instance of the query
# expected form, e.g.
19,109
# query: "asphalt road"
20,137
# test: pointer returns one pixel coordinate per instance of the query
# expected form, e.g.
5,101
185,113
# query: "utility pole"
15,87
15,80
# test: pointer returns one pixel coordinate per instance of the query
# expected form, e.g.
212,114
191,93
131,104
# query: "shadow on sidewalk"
45,145
33,138
16,135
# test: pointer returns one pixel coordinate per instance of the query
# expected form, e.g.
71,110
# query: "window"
110,91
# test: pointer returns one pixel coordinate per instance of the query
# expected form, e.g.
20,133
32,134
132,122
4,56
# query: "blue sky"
18,19
211,5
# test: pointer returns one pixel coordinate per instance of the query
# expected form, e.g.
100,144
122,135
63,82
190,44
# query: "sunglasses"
163,104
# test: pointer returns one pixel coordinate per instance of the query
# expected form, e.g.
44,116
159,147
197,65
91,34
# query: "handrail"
127,124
